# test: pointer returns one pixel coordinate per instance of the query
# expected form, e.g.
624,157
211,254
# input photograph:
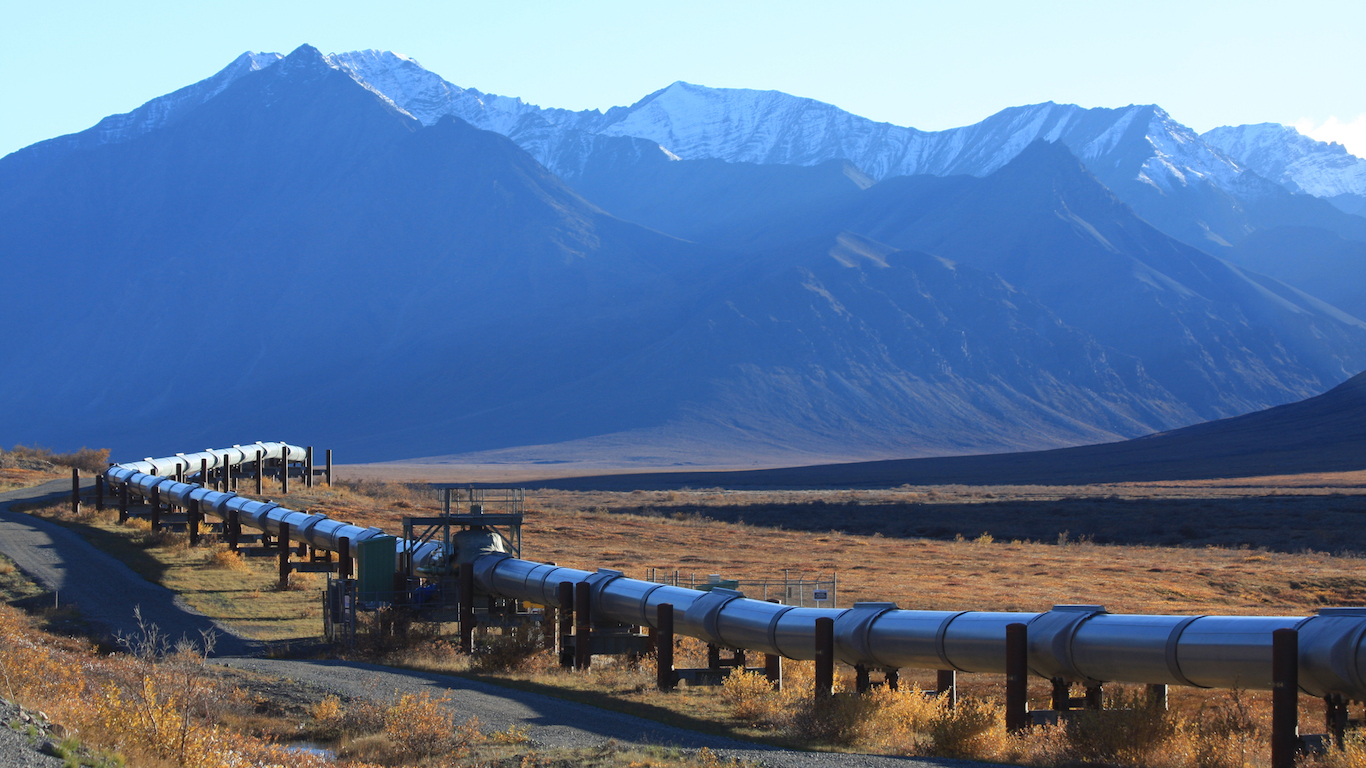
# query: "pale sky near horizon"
931,65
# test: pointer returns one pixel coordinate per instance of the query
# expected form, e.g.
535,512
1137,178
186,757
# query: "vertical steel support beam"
284,470
192,521
467,608
156,509
1017,677
773,670
1062,695
99,492
825,657
946,685
863,682
583,628
1336,719
565,595
75,491
713,656
260,464
284,556
1285,695
344,570
203,473
234,529
123,503
308,467
329,468
666,679
892,679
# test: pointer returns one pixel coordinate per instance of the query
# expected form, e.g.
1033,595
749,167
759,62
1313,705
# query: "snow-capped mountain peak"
1297,162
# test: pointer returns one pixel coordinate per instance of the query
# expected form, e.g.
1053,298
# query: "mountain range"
352,248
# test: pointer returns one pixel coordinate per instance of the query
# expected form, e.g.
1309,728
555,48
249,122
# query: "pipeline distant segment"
1077,643
317,530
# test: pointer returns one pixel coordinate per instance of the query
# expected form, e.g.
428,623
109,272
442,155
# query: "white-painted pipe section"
1080,643
317,530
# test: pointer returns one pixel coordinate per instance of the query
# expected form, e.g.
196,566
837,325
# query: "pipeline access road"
106,591
552,722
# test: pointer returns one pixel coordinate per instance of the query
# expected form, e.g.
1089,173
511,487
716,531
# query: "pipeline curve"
1078,643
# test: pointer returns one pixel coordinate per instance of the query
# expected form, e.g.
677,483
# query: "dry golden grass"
14,477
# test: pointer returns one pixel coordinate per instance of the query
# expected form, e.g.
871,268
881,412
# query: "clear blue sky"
932,65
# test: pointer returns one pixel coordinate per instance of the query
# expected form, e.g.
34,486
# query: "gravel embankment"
22,737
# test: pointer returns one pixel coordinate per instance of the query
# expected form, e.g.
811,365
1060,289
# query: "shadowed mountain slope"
1326,433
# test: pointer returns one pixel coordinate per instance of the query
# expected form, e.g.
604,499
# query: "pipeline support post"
666,679
156,509
344,558
192,521
284,470
863,681
75,491
329,468
234,530
284,556
467,608
123,503
99,492
565,595
583,628
308,467
1336,719
825,657
773,670
1017,677
1285,694
946,686
260,464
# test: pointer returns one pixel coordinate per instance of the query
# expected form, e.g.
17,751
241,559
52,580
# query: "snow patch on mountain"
1293,160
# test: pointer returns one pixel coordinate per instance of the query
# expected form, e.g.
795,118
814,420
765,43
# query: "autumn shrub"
222,557
421,726
751,698
328,716
1131,731
86,459
972,729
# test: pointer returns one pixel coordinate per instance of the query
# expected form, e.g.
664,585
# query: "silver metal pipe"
317,530
1079,643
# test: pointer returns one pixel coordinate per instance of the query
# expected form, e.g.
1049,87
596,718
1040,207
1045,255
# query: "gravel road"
550,721
104,589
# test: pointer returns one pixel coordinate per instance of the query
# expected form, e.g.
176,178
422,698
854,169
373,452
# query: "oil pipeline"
1068,644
